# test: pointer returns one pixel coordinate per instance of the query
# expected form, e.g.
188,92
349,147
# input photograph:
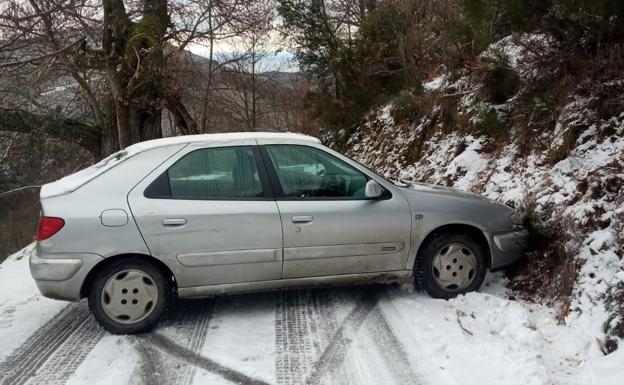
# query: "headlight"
515,218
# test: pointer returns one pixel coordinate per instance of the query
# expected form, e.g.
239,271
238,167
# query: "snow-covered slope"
570,177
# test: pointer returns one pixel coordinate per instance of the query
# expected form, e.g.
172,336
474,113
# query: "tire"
142,290
450,275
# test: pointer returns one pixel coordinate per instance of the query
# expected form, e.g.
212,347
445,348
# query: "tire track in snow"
54,352
335,354
293,331
305,321
199,361
390,349
328,322
153,369
330,365
188,321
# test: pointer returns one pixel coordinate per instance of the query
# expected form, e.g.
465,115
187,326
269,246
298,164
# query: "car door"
329,226
208,213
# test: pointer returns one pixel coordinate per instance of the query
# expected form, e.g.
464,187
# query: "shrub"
19,214
407,108
614,301
557,154
550,269
491,121
500,82
490,20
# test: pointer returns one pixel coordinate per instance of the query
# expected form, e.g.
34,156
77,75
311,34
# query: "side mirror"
373,190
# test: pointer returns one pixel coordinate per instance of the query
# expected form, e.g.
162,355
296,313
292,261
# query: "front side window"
308,172
211,173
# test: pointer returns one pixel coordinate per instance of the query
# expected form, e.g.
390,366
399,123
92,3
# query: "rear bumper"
506,247
60,276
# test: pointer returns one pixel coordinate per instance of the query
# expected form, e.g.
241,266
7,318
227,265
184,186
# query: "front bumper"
506,247
60,276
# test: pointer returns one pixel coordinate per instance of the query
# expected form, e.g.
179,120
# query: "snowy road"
356,335
329,336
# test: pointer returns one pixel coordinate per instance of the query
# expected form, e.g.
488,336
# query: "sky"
279,54
275,60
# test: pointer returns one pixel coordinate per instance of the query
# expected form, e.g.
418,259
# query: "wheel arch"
459,228
84,289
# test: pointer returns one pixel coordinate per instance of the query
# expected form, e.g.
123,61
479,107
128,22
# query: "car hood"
444,191
440,190
456,204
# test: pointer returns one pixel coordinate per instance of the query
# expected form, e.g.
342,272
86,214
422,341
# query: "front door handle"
174,222
302,219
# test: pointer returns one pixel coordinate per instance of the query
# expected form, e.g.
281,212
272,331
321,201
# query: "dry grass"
18,222
549,272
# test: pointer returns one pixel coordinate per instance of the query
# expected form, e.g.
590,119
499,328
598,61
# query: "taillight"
48,226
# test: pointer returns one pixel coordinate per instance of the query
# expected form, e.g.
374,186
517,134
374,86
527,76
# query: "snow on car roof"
77,179
222,137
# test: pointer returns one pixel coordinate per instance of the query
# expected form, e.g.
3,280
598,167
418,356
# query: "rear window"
211,173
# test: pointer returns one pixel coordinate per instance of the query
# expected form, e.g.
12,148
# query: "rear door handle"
302,219
174,221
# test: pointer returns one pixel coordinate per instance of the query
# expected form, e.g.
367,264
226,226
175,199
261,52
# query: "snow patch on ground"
482,338
514,47
436,84
112,361
22,309
242,335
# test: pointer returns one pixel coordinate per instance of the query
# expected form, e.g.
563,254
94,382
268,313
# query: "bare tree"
132,45
223,24
39,40
232,90
426,36
128,61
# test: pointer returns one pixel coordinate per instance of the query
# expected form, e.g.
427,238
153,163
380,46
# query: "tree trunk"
123,123
204,115
109,142
181,116
145,124
137,73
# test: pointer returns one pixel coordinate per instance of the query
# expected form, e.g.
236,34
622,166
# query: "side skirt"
401,276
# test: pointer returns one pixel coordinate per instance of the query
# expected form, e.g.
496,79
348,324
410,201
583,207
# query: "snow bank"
581,183
483,338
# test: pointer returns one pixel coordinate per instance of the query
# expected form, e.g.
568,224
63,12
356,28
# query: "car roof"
72,182
221,137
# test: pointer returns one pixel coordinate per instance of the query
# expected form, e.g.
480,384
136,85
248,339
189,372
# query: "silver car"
197,216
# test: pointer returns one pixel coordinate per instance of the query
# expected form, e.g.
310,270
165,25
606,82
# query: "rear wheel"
129,296
449,264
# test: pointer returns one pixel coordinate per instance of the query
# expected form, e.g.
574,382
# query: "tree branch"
61,128
51,54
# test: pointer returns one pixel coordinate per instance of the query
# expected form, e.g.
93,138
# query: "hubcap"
454,267
129,296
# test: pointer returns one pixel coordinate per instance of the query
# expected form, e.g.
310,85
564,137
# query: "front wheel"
129,296
449,264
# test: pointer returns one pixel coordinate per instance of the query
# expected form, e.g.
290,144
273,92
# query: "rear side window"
211,173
